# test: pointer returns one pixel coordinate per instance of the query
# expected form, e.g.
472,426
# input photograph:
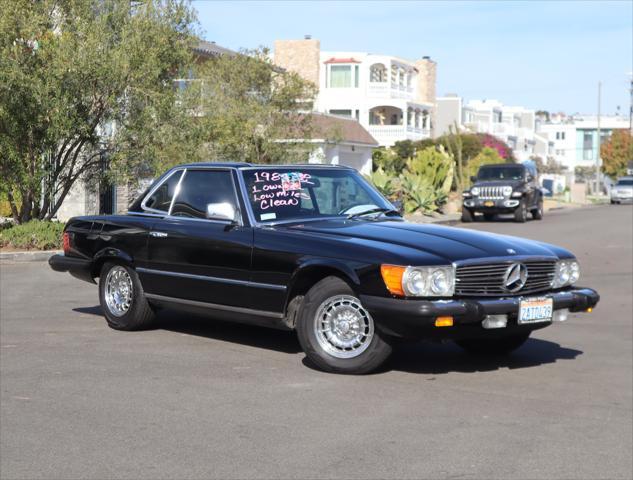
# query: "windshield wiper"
382,210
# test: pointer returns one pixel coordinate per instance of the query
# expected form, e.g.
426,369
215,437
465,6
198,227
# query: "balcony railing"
389,90
387,135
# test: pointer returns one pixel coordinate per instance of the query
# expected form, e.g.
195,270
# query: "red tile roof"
341,60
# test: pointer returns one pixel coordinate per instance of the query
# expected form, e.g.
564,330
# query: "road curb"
29,256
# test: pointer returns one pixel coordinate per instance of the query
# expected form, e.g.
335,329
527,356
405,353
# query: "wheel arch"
308,274
107,255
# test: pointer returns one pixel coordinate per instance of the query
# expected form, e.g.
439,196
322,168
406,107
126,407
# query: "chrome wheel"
118,291
343,328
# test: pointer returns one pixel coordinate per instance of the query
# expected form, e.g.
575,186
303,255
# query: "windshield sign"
297,193
501,173
627,182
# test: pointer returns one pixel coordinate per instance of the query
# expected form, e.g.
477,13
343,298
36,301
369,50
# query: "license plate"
534,310
489,203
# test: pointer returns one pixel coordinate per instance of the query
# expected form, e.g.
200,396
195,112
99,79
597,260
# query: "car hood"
447,243
498,183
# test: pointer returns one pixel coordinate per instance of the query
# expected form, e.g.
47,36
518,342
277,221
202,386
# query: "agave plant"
419,193
385,183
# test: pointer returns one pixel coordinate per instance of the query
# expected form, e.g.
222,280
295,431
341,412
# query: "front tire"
467,215
122,300
537,213
493,346
520,214
336,332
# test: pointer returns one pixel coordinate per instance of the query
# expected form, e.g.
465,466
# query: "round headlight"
474,190
574,272
440,282
507,191
564,273
414,283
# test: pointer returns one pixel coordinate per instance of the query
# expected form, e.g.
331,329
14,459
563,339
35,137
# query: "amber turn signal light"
589,310
392,276
444,322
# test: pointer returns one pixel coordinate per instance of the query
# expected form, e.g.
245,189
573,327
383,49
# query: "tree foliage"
617,153
252,111
83,83
487,156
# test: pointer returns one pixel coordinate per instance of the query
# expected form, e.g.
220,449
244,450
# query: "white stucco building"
515,125
391,97
575,138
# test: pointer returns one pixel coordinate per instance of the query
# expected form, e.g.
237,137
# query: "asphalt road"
204,399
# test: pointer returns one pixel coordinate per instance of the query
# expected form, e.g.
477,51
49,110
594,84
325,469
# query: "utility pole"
597,190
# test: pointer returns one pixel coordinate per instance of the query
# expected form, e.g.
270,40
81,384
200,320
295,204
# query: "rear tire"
520,214
493,346
467,215
335,331
122,300
537,213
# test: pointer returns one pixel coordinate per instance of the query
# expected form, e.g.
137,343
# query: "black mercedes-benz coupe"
318,250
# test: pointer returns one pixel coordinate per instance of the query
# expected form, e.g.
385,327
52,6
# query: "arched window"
377,73
418,116
425,119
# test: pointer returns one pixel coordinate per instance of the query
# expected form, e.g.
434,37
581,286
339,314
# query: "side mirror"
398,205
221,211
473,179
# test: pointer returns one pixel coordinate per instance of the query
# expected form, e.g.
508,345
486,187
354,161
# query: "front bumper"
488,205
416,318
78,267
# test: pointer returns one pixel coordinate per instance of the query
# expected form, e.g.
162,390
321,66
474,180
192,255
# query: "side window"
160,200
200,188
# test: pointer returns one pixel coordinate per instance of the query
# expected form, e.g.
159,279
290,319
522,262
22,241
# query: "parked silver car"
622,191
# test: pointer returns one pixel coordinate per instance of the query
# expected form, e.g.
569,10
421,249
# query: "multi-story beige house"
393,98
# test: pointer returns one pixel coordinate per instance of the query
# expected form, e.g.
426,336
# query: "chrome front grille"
488,279
491,192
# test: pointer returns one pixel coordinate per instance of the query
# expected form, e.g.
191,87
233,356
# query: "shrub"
419,194
487,156
385,183
36,235
388,160
435,165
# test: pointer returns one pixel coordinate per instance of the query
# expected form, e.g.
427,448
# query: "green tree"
250,110
83,82
617,153
487,156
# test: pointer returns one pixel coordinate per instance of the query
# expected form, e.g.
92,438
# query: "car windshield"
501,172
288,193
625,182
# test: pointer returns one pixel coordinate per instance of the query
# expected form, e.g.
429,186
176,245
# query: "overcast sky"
538,54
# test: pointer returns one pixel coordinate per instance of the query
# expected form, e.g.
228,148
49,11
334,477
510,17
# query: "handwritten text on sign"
275,189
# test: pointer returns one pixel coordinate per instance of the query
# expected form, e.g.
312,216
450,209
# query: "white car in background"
622,191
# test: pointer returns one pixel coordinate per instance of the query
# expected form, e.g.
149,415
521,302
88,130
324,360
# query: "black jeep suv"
503,188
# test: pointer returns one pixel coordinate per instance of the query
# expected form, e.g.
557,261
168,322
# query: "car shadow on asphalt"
419,357
438,358
213,328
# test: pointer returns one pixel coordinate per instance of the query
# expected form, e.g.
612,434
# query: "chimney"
299,56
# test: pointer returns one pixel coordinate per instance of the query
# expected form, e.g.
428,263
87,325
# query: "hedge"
33,235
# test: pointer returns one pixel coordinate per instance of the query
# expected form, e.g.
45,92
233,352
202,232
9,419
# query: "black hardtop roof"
240,165
503,165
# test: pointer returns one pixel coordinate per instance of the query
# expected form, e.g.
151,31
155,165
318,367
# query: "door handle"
158,234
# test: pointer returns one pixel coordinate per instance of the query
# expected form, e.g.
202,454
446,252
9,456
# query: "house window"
340,76
562,135
557,135
343,76
342,113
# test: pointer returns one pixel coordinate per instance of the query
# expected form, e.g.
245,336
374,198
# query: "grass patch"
33,235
